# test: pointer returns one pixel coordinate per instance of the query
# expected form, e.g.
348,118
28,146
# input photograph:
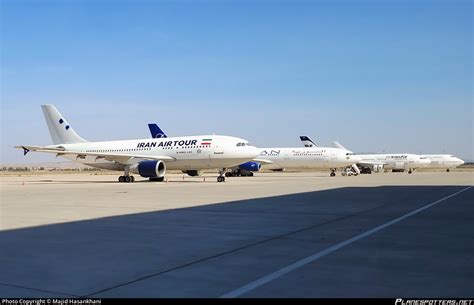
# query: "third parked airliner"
369,162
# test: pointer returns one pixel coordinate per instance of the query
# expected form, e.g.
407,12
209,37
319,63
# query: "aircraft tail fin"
59,129
156,131
308,142
338,145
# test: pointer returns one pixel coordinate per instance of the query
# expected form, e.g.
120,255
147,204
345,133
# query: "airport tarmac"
273,235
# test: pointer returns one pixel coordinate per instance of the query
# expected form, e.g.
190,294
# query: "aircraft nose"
252,151
459,161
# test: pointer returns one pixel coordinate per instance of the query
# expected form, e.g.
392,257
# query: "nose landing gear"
221,177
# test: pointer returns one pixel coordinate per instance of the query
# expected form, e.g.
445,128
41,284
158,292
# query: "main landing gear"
333,172
126,179
221,177
126,176
410,171
239,172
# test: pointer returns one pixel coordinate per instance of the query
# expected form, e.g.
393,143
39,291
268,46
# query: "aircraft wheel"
121,179
220,179
132,179
332,174
228,174
447,170
127,179
251,174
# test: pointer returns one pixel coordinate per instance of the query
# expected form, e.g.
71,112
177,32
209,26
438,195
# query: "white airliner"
147,157
443,161
377,162
285,158
400,162
306,158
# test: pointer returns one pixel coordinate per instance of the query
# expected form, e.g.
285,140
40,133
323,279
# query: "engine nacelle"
377,168
250,166
150,169
399,165
192,173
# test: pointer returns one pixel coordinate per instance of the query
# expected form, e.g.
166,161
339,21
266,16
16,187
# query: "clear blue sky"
378,76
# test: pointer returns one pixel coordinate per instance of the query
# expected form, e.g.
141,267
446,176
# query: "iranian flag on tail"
206,141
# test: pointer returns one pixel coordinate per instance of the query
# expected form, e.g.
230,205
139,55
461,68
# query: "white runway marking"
270,277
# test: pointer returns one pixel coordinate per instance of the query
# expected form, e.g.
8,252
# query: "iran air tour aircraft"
285,158
378,162
149,158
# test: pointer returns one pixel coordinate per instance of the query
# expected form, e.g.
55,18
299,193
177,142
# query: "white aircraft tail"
307,142
59,129
353,166
338,145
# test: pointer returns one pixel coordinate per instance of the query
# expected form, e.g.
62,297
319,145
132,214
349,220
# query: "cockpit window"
243,144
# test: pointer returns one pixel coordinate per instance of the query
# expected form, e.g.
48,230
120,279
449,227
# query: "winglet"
25,150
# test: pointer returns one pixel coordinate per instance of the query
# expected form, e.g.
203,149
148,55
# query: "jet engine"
244,169
250,166
192,173
377,168
150,169
399,165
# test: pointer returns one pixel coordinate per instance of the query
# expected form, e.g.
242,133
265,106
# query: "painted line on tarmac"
51,292
272,276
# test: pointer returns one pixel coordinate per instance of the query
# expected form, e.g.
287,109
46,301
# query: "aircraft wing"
263,161
123,158
367,163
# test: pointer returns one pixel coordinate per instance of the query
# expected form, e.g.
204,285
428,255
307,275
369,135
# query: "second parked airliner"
281,158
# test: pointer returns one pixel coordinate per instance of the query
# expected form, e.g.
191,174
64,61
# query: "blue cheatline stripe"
270,277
